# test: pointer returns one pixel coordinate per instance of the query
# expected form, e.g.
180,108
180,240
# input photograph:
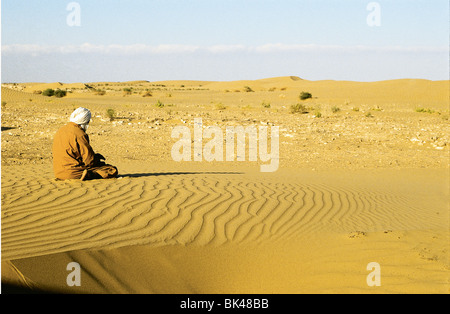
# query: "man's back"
72,153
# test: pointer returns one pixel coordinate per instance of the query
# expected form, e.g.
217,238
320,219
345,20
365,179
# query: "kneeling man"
73,156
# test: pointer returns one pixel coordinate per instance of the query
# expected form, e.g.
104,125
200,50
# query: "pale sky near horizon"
121,40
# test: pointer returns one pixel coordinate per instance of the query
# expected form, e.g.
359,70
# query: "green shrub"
318,114
298,108
60,93
220,106
159,104
48,92
305,95
335,109
111,114
424,110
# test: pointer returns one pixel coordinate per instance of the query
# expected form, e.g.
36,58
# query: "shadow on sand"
157,174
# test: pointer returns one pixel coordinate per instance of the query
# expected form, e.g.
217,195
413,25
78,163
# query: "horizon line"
297,78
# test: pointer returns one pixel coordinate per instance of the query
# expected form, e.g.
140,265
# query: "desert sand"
363,177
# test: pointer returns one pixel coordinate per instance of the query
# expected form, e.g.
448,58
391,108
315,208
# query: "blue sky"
120,40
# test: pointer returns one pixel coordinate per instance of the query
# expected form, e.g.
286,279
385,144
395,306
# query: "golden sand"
352,188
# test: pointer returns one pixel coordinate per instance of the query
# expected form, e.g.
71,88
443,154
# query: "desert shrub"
424,110
318,114
100,92
265,105
335,109
299,108
110,113
127,91
159,104
60,93
3,103
38,92
369,115
305,95
248,89
220,106
377,108
48,92
147,94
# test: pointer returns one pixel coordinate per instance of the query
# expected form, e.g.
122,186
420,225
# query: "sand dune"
316,216
200,208
351,189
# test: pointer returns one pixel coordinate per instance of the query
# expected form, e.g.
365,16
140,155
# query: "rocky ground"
326,136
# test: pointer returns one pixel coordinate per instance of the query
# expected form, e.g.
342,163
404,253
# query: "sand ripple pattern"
42,216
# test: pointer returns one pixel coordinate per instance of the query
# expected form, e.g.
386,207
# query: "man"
73,156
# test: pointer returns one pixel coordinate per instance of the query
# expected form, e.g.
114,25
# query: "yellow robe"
72,154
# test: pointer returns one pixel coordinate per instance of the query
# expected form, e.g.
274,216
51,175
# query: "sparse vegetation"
377,108
356,109
318,114
159,104
147,94
60,93
220,106
305,95
48,92
100,92
425,110
369,115
335,109
299,108
127,91
248,89
265,105
110,113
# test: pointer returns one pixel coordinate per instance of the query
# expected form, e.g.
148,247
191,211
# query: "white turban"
81,116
